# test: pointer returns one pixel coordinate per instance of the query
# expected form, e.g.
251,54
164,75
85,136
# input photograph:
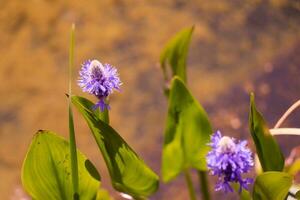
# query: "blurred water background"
237,47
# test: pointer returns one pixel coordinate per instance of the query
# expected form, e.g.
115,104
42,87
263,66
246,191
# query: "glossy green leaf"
187,133
129,174
267,149
46,171
175,54
103,195
272,186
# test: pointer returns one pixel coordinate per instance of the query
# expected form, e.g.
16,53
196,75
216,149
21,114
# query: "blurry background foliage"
237,47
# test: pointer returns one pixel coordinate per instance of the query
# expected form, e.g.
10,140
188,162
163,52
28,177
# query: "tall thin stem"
104,116
73,149
285,131
287,113
190,184
204,186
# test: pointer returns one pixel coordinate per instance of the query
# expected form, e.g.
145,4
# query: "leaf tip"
193,27
40,131
176,81
252,96
73,26
252,102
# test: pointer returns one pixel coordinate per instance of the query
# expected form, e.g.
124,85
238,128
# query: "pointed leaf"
187,133
129,174
272,185
175,54
268,151
46,171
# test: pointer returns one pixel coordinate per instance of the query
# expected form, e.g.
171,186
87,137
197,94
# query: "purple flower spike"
99,80
229,159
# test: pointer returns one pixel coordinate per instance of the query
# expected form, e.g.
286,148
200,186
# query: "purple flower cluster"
229,159
99,80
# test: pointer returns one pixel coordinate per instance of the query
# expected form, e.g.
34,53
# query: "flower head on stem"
99,80
229,159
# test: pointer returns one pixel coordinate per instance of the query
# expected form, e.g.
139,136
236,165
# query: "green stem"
190,184
104,116
73,149
204,185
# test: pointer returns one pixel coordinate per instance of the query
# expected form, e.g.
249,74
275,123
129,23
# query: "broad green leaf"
272,186
187,133
129,174
268,151
103,195
175,54
46,171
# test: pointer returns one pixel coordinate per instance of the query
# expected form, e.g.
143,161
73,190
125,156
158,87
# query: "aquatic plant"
188,131
55,169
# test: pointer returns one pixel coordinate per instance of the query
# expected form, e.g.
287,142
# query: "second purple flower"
229,159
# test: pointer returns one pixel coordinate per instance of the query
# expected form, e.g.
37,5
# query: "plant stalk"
287,113
190,184
104,116
285,131
73,149
204,186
